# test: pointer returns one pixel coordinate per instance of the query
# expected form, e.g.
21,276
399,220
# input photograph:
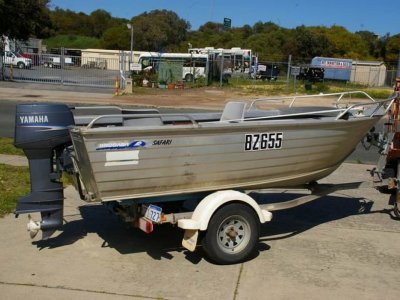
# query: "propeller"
33,227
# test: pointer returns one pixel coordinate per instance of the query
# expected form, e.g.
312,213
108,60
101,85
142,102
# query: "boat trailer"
387,172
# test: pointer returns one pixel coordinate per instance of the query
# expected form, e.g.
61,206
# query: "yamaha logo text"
36,119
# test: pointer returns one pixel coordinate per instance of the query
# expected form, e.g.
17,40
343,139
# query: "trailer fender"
207,207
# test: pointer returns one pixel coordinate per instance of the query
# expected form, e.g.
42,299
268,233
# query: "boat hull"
129,162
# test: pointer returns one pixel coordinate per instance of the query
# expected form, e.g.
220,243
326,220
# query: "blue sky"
378,16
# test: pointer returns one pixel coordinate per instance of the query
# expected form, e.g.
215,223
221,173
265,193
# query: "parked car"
17,60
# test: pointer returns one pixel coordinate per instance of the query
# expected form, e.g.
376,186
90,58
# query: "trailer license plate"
153,213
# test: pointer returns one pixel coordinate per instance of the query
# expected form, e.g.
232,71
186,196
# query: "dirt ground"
208,98
214,98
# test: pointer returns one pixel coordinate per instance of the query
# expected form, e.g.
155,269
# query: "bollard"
11,72
116,86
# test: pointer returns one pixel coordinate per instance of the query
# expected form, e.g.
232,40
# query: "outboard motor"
41,130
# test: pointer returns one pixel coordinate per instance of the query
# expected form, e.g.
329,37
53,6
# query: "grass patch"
7,147
14,183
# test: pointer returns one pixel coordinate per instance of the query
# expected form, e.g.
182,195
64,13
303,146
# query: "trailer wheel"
232,234
396,210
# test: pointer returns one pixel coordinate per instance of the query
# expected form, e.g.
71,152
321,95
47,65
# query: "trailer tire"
232,234
396,208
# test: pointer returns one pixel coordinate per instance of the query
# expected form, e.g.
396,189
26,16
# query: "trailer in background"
335,68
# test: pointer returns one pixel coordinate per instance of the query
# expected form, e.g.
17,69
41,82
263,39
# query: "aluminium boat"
244,147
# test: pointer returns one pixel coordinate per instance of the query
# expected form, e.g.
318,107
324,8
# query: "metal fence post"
2,69
122,69
62,58
221,69
3,53
288,73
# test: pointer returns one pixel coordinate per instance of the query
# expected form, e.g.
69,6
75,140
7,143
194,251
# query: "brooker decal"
263,141
121,145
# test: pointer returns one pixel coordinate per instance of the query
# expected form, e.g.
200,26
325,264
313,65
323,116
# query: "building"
371,73
107,59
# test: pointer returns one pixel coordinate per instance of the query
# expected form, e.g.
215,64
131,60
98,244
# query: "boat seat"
150,121
233,111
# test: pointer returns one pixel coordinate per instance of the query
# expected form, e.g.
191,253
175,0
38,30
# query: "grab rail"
141,116
294,98
342,111
379,104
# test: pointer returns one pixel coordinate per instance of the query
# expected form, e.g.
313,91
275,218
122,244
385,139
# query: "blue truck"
335,68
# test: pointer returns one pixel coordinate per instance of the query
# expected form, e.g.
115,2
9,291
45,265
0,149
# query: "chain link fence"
103,72
61,69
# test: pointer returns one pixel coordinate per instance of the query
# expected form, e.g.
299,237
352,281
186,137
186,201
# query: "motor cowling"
41,131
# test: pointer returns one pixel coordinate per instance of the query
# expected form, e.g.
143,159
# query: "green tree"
71,23
159,30
116,38
306,43
372,40
22,19
393,49
100,20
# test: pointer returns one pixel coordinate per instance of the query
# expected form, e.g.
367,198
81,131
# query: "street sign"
295,71
135,67
227,23
262,68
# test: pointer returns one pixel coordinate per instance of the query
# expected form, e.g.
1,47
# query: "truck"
11,58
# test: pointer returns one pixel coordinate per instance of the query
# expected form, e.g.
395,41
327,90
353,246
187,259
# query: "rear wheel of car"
20,65
189,77
50,65
45,65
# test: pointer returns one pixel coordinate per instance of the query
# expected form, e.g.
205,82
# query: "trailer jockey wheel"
232,234
396,208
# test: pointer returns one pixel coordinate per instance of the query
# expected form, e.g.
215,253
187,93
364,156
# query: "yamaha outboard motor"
41,130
